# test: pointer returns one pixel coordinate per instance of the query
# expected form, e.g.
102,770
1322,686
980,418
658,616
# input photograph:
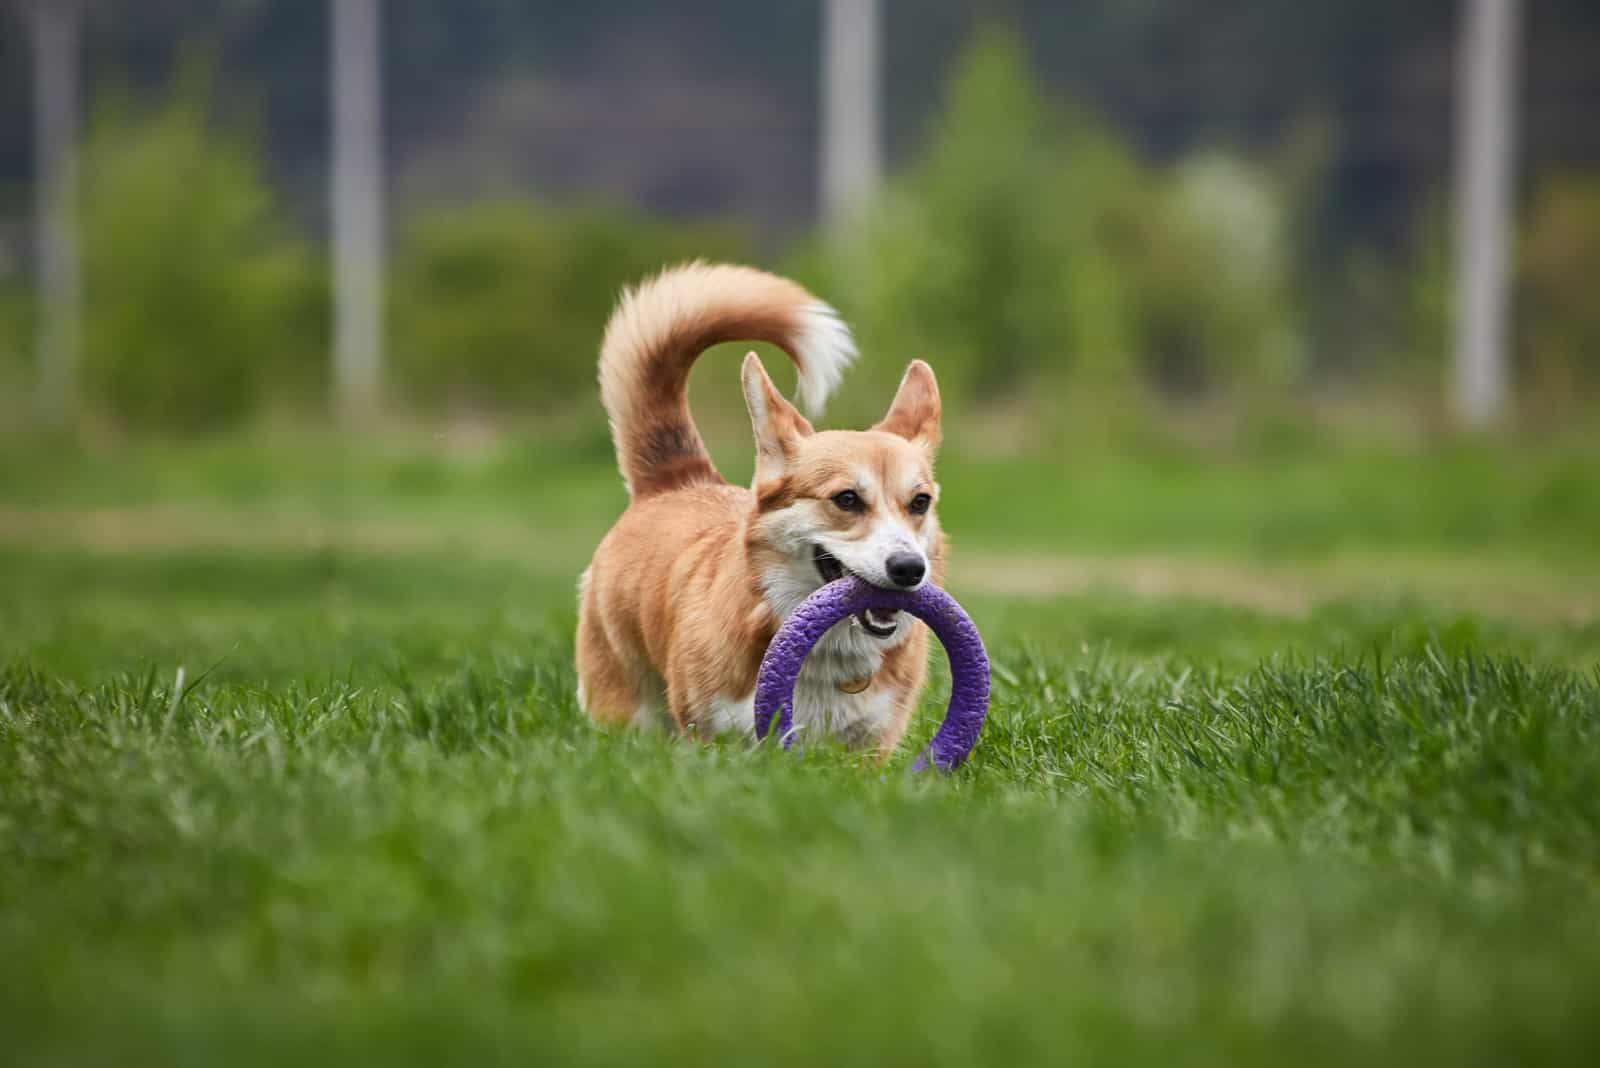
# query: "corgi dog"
687,589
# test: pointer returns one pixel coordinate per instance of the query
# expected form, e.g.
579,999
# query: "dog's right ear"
778,426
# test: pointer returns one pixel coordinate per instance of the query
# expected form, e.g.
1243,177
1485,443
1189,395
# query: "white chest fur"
844,656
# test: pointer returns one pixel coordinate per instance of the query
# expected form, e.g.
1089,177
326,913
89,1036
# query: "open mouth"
828,566
878,622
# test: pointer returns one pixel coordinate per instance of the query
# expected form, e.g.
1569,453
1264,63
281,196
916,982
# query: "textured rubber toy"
842,598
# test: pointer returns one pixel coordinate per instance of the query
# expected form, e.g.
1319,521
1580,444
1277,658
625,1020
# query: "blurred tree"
1029,245
1559,318
499,306
990,255
1217,279
196,296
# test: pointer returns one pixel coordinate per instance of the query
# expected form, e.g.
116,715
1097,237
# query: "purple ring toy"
842,598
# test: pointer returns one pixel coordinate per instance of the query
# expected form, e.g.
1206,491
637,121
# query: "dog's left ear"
915,412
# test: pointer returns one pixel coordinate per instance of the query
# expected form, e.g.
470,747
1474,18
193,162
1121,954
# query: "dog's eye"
920,504
849,501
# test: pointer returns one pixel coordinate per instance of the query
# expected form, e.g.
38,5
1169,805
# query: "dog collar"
855,685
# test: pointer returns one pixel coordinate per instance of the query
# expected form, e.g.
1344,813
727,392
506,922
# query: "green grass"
1309,498
370,825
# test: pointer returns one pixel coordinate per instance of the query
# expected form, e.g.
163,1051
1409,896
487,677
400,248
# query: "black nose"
905,569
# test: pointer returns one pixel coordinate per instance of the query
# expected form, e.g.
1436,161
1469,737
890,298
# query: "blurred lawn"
1295,756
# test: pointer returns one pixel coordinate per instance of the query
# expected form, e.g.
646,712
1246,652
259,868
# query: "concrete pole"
358,213
1486,152
851,155
54,26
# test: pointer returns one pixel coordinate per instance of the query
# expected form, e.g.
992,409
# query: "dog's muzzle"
880,623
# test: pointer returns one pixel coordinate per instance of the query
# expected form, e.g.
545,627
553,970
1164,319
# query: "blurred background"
1249,276
1246,208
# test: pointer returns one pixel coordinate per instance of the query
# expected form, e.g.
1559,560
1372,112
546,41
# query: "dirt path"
1517,588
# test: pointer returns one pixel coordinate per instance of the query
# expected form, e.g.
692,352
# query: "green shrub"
1214,288
991,257
500,305
196,299
1426,336
1558,316
1029,245
16,339
1389,320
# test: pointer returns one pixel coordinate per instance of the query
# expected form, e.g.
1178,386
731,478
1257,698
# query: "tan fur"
686,590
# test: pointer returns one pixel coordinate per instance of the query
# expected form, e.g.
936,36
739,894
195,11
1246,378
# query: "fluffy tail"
660,328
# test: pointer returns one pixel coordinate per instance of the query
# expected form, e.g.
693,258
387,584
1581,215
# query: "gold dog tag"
855,685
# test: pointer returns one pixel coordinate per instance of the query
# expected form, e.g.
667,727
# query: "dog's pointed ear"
778,426
914,415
